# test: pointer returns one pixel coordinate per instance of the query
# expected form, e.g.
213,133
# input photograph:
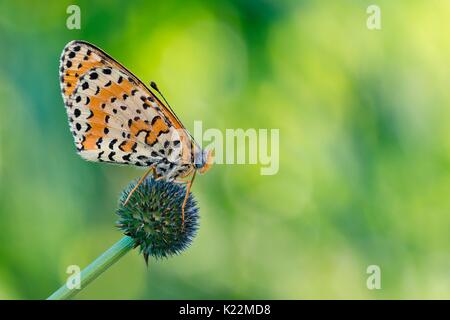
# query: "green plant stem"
92,271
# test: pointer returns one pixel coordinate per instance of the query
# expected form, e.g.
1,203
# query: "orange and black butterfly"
114,117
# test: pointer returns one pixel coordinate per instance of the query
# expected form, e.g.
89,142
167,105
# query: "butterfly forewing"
115,118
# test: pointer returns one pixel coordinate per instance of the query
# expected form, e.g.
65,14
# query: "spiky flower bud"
152,217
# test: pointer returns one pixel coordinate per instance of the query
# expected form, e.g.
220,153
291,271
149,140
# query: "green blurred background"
364,148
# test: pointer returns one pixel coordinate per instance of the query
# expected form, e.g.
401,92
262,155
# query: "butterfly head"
204,160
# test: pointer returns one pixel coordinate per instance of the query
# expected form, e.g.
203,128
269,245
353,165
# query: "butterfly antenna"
154,86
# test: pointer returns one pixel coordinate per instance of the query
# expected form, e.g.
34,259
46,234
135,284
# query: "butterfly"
114,117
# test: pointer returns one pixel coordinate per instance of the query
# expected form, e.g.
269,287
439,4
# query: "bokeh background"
364,125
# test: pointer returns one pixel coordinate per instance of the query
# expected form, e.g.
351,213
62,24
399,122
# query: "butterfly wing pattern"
115,118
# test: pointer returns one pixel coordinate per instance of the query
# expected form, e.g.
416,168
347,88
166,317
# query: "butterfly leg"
152,169
186,196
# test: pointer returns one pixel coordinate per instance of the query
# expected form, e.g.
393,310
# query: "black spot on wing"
112,143
99,141
111,155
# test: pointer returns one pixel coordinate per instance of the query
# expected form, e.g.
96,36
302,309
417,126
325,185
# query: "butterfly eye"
199,162
198,165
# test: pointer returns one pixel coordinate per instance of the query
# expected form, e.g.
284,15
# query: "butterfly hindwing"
115,118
